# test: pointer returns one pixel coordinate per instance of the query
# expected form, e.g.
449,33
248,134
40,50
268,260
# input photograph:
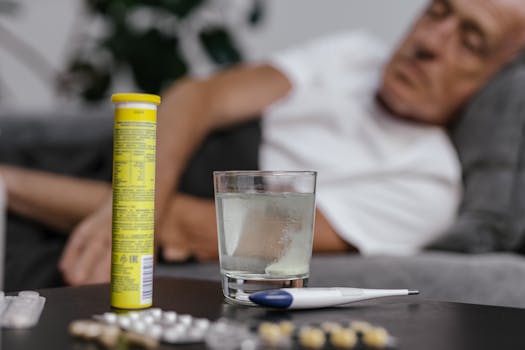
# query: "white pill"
180,328
134,315
138,326
110,317
170,316
202,323
148,319
249,344
185,319
124,322
92,330
171,335
196,334
156,313
154,331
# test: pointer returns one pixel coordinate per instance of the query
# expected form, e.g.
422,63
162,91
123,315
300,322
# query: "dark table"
417,323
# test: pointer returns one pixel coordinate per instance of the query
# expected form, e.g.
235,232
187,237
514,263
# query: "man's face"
452,50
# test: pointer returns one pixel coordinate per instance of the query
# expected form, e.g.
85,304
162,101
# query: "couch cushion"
489,138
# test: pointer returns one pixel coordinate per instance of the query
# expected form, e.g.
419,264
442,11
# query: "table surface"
415,322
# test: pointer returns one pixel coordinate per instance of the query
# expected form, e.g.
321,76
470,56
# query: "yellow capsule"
343,338
312,338
286,327
376,338
270,333
360,326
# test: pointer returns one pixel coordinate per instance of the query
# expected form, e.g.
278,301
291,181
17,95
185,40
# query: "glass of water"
265,223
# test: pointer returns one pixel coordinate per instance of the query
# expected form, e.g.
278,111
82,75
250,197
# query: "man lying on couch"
389,179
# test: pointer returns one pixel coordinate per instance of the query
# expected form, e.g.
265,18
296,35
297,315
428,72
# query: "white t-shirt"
387,186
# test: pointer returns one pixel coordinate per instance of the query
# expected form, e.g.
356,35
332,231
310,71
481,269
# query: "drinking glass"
265,223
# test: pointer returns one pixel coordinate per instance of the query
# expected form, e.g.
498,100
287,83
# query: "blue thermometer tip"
273,298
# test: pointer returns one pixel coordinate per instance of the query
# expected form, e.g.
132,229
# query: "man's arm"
193,108
191,230
58,201
190,110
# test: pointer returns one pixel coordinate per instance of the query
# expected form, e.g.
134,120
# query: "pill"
158,324
360,326
202,323
134,315
269,333
171,335
169,316
286,328
110,317
185,319
196,333
76,328
124,322
138,326
148,319
249,344
343,338
92,330
376,338
155,331
312,338
109,336
156,313
140,340
181,328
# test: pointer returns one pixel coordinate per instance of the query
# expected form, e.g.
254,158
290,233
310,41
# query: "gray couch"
492,278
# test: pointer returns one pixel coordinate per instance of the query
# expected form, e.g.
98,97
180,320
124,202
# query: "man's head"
451,51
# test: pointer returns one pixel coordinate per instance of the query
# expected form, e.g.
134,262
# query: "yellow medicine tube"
134,149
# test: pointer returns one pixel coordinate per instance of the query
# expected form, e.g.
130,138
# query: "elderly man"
389,179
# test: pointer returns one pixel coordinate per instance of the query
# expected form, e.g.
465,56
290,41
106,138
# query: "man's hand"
189,229
87,255
173,238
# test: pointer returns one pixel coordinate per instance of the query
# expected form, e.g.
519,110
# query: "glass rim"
264,172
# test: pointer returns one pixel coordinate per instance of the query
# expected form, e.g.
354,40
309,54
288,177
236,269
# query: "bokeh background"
45,44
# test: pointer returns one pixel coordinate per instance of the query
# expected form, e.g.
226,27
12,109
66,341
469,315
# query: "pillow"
490,141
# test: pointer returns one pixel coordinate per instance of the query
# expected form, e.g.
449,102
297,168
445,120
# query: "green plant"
150,53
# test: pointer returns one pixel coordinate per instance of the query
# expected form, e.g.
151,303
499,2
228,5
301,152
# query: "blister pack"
21,311
167,326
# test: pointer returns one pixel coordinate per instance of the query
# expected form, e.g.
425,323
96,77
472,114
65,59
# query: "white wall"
47,25
44,25
290,21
